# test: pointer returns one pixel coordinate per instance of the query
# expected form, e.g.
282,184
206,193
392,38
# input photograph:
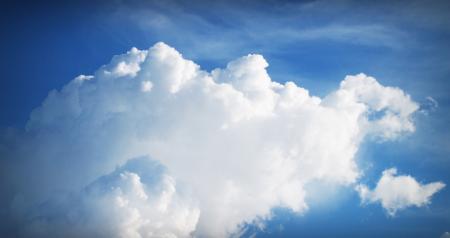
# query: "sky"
225,119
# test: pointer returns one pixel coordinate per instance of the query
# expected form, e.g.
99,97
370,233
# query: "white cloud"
370,35
174,23
446,235
428,105
398,192
146,86
84,77
239,142
138,199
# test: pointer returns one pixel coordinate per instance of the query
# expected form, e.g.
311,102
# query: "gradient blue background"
403,44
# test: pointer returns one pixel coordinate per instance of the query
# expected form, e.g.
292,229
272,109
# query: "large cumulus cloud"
220,148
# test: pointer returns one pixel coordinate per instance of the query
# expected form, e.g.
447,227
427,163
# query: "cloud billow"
398,192
152,145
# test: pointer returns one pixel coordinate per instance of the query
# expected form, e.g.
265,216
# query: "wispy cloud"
370,35
232,30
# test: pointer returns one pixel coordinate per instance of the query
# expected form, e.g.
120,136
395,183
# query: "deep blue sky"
315,44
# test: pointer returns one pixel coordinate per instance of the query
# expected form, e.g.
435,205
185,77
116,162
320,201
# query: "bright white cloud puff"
230,145
398,192
138,199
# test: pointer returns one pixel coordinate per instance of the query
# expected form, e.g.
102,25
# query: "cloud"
445,235
370,35
234,145
138,199
428,105
398,192
273,28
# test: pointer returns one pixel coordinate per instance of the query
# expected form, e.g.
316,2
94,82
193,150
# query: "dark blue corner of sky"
45,46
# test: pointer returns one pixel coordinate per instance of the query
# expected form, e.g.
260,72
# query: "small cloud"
428,105
146,86
398,192
83,77
369,35
445,235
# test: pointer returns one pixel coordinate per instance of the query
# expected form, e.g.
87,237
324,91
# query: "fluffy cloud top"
234,143
398,192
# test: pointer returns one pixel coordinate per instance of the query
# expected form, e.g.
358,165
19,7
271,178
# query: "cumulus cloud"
234,143
397,192
138,199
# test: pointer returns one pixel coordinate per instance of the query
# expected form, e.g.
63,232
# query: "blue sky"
312,43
